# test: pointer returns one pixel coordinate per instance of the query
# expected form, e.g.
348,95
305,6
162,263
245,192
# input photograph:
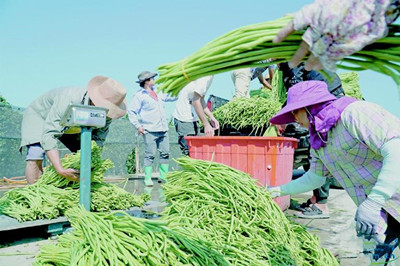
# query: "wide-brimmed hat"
300,95
108,93
145,75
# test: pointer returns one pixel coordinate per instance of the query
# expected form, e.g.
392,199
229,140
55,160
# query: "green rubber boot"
163,171
147,176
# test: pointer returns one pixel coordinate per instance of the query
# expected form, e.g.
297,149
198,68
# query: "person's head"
300,96
146,79
301,116
108,93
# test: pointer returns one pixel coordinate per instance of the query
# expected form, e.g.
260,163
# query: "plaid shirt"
352,154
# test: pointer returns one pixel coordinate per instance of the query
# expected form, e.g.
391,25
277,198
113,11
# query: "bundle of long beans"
249,45
231,211
98,165
119,239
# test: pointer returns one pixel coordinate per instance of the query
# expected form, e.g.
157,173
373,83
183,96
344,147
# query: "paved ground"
336,233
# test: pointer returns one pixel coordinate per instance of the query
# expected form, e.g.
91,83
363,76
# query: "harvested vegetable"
243,112
99,167
37,202
233,213
249,45
48,202
53,194
254,113
106,197
119,239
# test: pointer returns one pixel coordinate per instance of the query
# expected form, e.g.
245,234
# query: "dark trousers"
391,242
321,194
184,129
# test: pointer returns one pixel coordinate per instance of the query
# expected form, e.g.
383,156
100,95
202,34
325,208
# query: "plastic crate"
269,160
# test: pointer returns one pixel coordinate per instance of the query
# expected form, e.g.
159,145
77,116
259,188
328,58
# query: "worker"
146,112
189,108
358,144
242,77
335,29
317,206
41,130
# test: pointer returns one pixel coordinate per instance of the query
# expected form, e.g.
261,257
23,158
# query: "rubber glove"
275,191
367,217
305,183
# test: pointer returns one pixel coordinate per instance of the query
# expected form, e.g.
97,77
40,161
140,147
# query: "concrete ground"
336,233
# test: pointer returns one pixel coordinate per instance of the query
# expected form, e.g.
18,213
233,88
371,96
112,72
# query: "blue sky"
46,44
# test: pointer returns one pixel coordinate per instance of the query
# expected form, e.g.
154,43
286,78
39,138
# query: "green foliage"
119,143
350,84
131,162
12,163
3,102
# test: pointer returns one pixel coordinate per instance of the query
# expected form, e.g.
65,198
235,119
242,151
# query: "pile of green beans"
53,194
253,113
225,207
119,239
36,202
48,202
106,197
249,45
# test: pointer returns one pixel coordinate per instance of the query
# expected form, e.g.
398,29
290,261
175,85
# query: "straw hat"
300,95
108,93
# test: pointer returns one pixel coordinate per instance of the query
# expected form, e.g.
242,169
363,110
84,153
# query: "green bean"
242,219
248,45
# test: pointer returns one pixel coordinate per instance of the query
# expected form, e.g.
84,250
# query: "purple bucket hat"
301,95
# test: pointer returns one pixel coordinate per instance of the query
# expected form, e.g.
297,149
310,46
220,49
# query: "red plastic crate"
267,159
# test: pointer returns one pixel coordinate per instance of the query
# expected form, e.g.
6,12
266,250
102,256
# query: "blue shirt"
147,112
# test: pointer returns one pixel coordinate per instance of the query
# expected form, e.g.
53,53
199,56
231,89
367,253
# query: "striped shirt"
352,155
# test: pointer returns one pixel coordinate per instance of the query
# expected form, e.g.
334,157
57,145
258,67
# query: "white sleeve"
389,177
305,183
202,85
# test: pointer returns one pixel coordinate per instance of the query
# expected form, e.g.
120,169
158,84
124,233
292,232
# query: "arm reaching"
54,157
309,181
336,29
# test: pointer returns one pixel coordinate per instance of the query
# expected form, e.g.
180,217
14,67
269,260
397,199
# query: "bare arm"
264,82
271,74
198,102
54,157
214,122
